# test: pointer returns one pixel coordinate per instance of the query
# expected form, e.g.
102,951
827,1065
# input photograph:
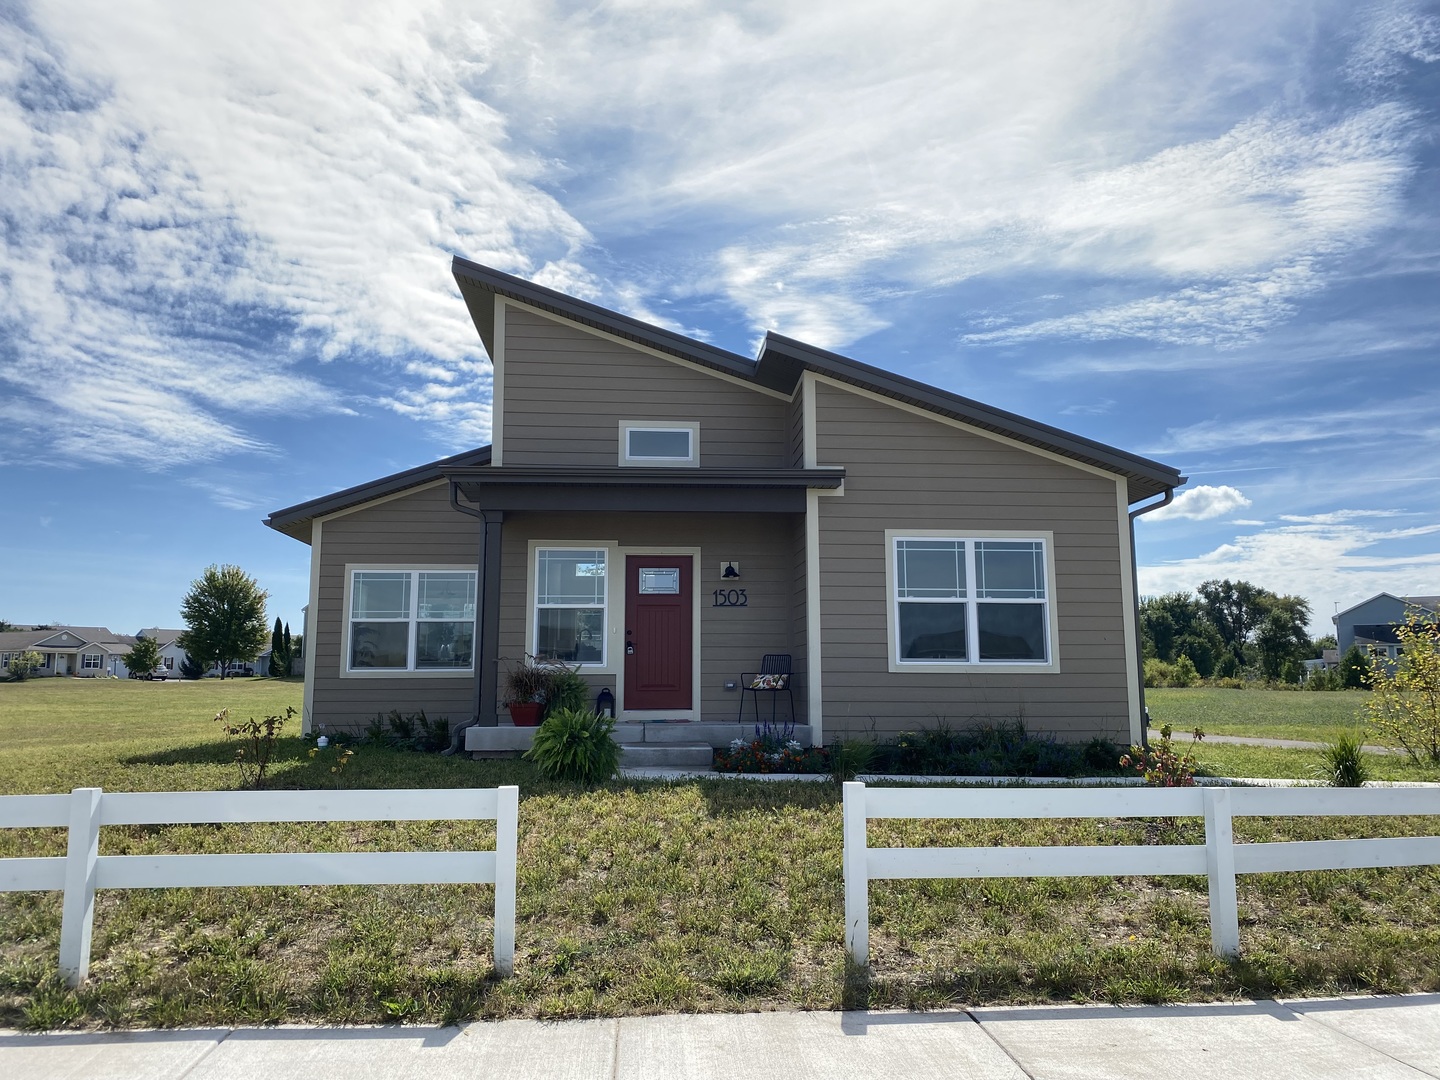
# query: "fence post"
507,828
1220,866
856,874
78,913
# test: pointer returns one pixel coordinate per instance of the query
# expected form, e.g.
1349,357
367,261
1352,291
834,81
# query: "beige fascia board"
814,667
657,353
497,386
307,704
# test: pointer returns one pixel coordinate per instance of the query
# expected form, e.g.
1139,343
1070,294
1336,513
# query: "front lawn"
637,898
1312,716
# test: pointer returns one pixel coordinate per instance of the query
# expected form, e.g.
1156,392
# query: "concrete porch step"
507,737
672,754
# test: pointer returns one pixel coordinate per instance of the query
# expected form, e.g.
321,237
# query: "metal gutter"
1135,591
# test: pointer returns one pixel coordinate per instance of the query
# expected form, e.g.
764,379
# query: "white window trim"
532,592
1012,667
346,672
86,665
690,462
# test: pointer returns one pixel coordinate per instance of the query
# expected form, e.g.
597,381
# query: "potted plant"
527,683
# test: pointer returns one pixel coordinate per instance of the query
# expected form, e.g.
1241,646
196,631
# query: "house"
172,656
1371,623
86,651
662,513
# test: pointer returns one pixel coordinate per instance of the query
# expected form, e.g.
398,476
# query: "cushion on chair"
768,682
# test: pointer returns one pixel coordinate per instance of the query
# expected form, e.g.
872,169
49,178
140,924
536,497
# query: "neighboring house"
663,513
172,656
87,651
1371,623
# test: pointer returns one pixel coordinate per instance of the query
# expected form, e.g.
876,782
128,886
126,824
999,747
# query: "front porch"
664,586
642,742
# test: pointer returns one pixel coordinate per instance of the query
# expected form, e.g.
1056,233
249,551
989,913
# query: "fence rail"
1219,858
82,869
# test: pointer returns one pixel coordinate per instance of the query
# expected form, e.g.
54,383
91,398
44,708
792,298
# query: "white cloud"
1325,564
1245,521
1412,419
203,197
1201,504
1338,517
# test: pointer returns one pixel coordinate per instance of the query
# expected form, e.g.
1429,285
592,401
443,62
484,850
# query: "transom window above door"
662,443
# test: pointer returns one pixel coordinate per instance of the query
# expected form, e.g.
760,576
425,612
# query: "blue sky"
1206,232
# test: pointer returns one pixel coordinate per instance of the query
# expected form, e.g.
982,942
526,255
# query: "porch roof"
529,487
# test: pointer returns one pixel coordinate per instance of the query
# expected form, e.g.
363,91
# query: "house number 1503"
730,598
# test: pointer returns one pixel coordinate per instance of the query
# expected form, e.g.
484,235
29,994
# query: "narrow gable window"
659,443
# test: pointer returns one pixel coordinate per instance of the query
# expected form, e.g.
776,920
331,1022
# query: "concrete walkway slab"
802,1046
1248,1040
1405,1027
514,1048
105,1055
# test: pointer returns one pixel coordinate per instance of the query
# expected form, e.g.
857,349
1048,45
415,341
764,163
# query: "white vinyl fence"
83,870
1219,858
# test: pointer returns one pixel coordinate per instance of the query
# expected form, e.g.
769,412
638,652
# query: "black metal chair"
775,668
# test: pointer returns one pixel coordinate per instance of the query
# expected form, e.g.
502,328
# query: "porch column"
487,649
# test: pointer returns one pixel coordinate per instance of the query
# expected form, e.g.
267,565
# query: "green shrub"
1185,673
413,732
568,692
577,745
1159,673
1324,679
1161,764
23,665
850,757
191,669
1342,763
1404,704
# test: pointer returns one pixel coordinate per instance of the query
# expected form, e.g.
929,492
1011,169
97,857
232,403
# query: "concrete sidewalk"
1374,1038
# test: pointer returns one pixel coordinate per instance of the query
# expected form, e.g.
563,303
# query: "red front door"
659,632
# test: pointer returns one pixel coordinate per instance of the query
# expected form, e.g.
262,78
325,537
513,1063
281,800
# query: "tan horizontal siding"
566,391
416,530
905,471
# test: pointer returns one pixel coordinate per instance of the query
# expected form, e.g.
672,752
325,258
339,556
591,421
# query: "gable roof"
1428,603
159,635
13,640
296,520
782,361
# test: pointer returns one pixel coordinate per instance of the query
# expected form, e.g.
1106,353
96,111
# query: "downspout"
457,736
1135,592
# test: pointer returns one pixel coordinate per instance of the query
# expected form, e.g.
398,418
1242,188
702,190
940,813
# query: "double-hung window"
412,620
570,605
961,601
91,660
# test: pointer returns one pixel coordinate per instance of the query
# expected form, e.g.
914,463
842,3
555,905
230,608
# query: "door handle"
629,648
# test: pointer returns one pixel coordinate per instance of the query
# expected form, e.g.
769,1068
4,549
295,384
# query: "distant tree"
190,668
224,614
24,664
1320,644
1354,669
277,649
1233,608
298,646
1175,625
1281,638
143,657
289,650
5,626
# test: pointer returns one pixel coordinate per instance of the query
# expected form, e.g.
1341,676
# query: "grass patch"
1313,716
1222,759
636,898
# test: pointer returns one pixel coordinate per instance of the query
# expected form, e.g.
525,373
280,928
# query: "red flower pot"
525,713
